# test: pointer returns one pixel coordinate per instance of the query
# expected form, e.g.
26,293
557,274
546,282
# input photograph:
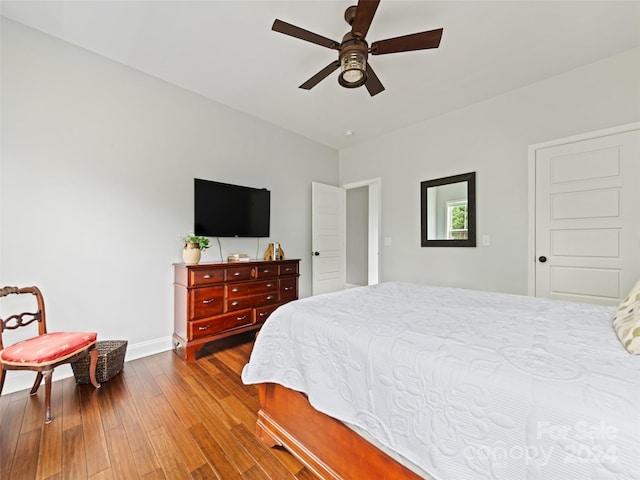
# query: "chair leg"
47,395
93,363
36,384
2,374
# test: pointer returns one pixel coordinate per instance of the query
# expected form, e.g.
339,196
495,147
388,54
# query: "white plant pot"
191,254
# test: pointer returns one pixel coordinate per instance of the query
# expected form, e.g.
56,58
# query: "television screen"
225,210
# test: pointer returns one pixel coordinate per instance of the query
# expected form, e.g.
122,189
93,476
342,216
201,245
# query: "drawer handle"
288,269
202,329
236,303
262,314
206,276
269,285
266,270
236,274
244,317
235,290
211,300
270,297
286,289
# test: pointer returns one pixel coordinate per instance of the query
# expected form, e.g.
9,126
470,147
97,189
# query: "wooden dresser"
216,300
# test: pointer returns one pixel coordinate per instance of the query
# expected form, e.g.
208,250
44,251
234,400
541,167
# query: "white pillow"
627,320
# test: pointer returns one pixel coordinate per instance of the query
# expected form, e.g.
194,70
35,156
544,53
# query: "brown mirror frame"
470,178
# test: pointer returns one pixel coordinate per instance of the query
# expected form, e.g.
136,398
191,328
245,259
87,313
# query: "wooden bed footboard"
326,446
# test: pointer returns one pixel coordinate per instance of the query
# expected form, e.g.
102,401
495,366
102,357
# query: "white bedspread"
465,384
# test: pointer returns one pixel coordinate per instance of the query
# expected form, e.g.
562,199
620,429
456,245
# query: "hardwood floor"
158,419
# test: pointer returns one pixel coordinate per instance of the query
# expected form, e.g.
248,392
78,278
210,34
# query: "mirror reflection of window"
457,220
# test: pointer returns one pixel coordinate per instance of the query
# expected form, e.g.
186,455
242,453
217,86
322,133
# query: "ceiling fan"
354,50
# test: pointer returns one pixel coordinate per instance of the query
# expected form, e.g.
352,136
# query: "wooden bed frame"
326,446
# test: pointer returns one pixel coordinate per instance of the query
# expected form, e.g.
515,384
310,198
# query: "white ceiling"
226,51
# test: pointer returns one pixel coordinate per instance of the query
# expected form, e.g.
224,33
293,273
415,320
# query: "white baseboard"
16,380
150,347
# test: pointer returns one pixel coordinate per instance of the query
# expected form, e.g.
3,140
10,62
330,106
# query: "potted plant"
194,245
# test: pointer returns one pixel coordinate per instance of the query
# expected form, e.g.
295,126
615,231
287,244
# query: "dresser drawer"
289,268
237,290
205,276
262,313
253,301
205,302
210,326
288,289
239,273
268,271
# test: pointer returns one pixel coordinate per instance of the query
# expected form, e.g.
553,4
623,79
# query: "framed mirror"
448,211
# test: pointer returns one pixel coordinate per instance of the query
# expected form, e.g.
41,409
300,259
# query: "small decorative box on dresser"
216,300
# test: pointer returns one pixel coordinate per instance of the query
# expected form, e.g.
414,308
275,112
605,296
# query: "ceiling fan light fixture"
353,69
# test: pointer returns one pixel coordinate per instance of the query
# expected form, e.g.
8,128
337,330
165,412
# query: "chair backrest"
15,321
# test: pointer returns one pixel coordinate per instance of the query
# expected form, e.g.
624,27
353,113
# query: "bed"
407,381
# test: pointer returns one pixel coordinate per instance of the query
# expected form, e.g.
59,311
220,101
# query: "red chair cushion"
48,348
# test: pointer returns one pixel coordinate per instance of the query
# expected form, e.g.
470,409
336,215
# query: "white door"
328,254
587,231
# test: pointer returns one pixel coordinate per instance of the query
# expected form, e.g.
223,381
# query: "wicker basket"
110,362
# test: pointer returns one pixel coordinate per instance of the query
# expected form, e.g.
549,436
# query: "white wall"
96,185
490,138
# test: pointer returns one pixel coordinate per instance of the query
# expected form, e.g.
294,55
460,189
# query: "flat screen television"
225,210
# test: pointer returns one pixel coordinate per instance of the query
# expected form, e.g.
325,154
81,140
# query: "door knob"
542,259
315,253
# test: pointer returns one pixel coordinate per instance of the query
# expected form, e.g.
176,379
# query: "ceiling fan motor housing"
353,61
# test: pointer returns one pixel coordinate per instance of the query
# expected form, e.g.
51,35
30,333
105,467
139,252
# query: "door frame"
532,153
373,262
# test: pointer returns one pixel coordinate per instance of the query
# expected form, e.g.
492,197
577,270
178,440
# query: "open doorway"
362,232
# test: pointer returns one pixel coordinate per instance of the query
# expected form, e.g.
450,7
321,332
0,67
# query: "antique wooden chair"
45,351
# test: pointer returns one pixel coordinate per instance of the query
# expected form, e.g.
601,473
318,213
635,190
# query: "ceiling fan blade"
302,34
373,84
407,43
365,11
321,75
